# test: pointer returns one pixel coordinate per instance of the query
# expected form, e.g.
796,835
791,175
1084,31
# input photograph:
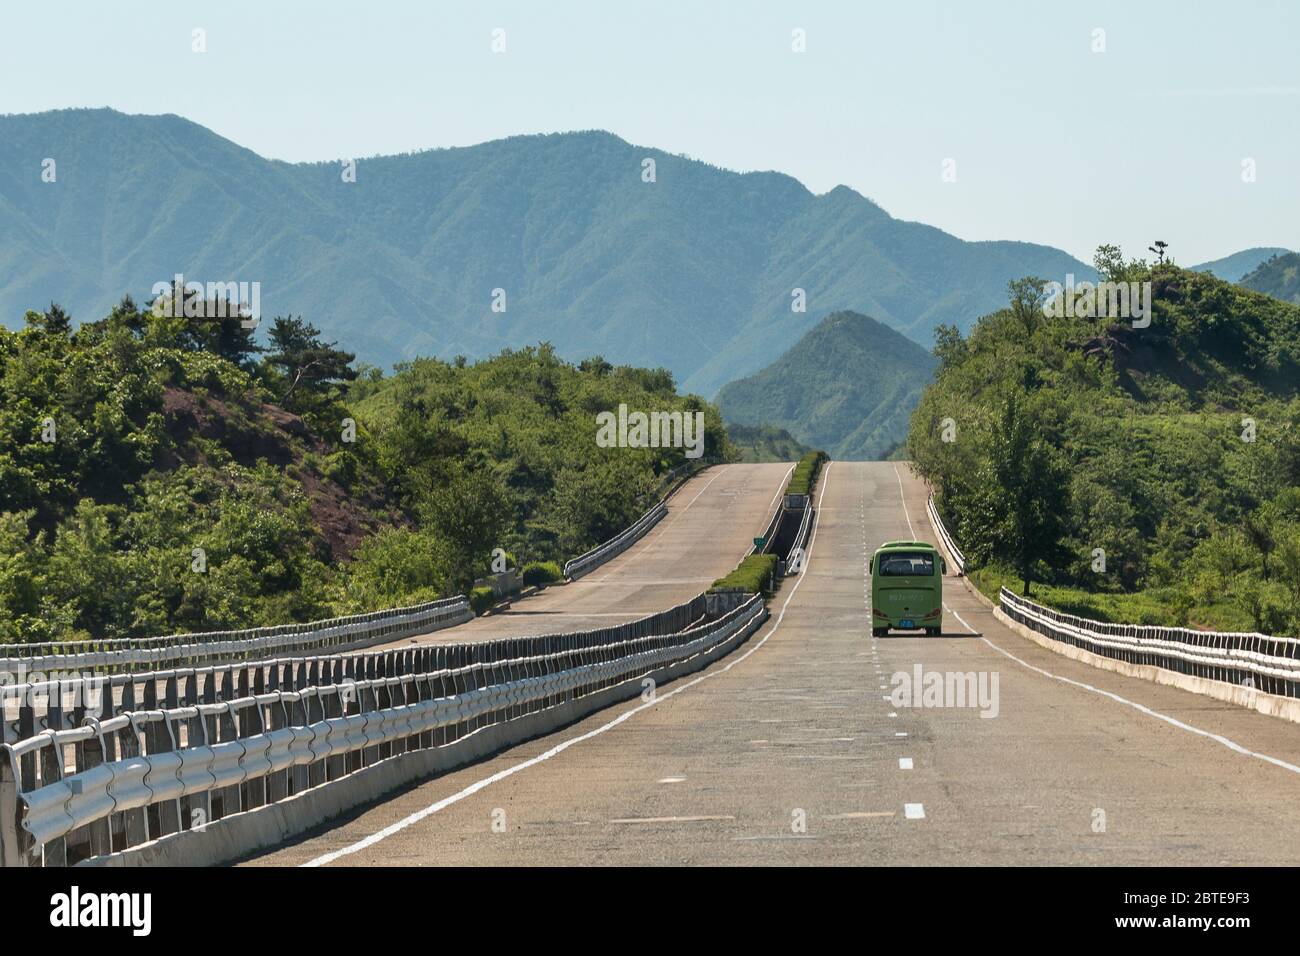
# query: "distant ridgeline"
1148,473
848,386
554,238
1278,277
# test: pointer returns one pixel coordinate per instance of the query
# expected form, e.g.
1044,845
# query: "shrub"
541,572
480,599
805,473
753,574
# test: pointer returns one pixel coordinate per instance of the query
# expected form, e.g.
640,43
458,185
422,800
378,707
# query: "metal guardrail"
1266,663
62,703
590,560
673,477
107,785
949,543
125,654
577,567
800,543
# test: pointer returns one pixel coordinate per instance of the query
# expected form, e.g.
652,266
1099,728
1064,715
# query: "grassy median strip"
753,574
756,573
805,473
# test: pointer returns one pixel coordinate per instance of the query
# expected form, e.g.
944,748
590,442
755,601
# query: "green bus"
907,588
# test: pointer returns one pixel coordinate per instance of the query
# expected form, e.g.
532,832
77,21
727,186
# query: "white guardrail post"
949,543
1259,661
207,743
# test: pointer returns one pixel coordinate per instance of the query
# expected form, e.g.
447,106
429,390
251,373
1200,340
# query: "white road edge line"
903,498
475,787
1173,721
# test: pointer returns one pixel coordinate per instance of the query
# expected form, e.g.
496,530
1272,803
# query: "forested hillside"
1145,474
848,386
757,443
1232,268
1278,276
161,475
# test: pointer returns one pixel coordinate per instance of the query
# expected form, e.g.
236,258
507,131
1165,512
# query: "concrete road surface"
711,524
789,752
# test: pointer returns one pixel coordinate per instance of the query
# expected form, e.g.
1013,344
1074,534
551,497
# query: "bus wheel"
932,632
879,631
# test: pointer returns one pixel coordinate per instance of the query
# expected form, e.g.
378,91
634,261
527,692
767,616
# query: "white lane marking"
973,632
478,785
914,811
671,780
904,763
901,495
781,489
893,714
1173,721
900,734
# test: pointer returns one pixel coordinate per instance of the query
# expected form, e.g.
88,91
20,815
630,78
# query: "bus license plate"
906,622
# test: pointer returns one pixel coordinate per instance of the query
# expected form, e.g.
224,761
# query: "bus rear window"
906,564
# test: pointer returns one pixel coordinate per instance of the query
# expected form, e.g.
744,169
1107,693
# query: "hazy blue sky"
1053,143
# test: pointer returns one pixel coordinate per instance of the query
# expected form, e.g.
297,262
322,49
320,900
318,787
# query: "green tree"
305,362
1034,487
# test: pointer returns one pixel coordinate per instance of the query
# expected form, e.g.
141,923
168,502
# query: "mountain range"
1234,267
693,269
849,387
1278,276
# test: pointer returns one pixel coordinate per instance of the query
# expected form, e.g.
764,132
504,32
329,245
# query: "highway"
711,523
789,751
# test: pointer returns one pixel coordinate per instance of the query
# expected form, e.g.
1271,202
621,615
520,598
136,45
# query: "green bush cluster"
805,473
541,572
753,574
481,599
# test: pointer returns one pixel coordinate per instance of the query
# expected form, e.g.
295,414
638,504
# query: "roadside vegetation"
753,574
160,475
1147,475
764,443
